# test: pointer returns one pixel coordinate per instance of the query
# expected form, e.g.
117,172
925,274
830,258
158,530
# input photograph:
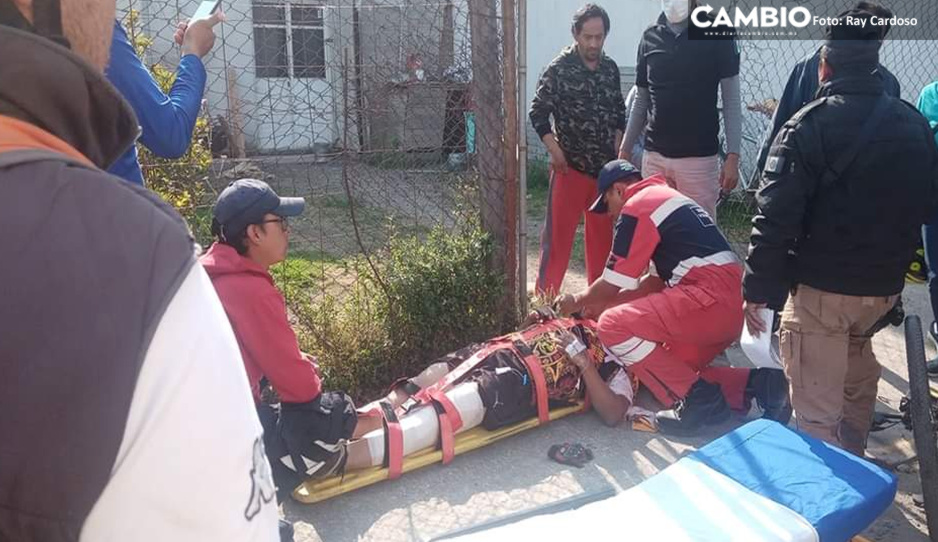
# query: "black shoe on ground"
933,333
703,405
769,387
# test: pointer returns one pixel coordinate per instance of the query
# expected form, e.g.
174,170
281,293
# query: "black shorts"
310,432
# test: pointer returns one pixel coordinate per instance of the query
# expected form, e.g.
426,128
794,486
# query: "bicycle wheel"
923,426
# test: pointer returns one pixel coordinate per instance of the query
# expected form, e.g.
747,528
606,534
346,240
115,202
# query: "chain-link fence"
391,118
397,121
765,67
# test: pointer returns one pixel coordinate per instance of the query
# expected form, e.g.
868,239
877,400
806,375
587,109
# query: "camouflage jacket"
587,107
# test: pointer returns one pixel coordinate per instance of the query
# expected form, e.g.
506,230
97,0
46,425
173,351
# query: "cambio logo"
762,17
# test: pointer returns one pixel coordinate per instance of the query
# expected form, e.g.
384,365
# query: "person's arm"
639,110
610,406
638,116
166,121
788,186
542,107
620,111
787,106
727,67
272,343
633,243
733,127
610,399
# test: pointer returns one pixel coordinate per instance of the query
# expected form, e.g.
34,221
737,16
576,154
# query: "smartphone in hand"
205,10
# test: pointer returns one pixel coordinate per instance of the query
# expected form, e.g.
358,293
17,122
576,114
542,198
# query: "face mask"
675,10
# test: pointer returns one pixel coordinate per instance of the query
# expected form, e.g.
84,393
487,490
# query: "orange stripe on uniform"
16,135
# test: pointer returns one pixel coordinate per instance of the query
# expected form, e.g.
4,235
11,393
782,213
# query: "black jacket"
857,235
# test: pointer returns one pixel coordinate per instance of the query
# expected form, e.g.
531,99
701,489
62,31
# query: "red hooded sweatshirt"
258,315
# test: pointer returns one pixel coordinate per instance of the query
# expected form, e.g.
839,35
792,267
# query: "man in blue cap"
670,300
250,227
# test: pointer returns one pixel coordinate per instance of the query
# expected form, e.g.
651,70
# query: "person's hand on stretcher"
610,406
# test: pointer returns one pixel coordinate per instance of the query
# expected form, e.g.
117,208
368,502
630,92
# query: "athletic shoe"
769,388
703,405
933,367
918,270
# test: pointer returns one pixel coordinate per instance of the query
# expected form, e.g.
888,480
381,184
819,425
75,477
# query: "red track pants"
569,197
668,339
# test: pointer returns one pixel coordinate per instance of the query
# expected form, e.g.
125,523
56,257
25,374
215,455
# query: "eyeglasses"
284,225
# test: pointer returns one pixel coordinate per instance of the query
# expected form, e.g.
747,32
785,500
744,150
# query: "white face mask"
675,10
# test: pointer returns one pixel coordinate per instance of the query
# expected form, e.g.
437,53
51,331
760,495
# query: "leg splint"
442,420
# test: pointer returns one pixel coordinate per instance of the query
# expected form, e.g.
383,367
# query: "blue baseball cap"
246,201
614,171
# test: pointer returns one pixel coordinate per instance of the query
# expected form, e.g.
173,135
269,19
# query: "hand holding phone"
197,36
206,9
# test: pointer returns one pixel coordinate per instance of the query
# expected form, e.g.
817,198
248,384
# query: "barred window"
288,40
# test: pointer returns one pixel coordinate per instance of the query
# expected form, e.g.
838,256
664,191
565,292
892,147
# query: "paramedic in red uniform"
670,300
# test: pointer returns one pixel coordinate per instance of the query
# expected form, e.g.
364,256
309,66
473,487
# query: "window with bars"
288,40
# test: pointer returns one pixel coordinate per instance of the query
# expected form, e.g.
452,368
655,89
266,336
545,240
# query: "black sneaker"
703,405
933,333
769,388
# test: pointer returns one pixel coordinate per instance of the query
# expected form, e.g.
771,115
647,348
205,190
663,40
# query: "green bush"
180,181
538,175
437,293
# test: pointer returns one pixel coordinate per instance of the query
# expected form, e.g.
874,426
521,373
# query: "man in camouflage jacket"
581,90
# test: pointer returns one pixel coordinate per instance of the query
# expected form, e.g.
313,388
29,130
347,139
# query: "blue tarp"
838,492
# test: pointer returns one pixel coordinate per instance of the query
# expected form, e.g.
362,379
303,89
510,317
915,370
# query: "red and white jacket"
663,231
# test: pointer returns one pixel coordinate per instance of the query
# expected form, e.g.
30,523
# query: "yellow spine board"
318,490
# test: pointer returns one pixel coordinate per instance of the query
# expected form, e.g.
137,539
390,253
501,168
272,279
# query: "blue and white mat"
761,482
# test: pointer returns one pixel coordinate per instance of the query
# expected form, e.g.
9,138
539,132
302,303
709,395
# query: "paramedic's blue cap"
246,201
617,170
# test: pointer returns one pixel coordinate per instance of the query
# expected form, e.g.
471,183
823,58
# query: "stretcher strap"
461,370
537,376
447,438
393,441
450,422
557,324
449,409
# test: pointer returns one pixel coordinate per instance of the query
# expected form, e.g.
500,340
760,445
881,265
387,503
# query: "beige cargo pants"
830,364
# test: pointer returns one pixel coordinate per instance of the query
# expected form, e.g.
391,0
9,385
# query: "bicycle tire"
926,445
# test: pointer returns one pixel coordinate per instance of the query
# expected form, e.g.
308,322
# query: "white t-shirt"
191,464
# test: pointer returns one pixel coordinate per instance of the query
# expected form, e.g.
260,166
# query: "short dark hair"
880,11
587,12
236,240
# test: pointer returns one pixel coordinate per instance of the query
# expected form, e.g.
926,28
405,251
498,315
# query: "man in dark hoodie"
125,416
305,437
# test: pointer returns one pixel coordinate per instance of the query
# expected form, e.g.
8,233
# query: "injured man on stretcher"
662,339
668,303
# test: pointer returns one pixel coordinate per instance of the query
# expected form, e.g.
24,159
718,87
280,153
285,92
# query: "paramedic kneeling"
668,325
249,224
